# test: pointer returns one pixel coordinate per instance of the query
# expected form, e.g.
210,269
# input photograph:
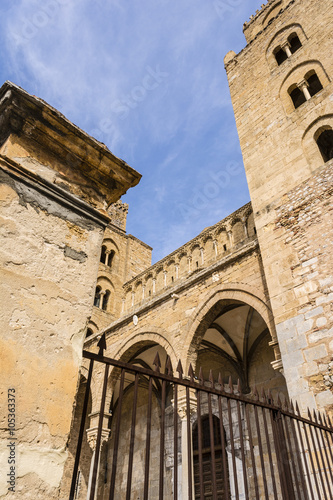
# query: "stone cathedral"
250,299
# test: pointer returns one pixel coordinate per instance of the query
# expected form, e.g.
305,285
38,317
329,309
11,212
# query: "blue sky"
145,77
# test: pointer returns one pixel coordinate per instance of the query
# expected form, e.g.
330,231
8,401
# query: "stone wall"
290,187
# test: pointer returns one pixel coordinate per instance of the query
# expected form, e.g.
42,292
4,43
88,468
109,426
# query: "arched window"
280,55
103,254
207,457
110,258
105,301
325,144
97,299
294,43
314,84
89,332
297,96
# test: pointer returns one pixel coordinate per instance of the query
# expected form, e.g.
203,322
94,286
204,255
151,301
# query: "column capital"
92,436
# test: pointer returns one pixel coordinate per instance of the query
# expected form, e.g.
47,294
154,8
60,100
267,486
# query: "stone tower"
282,93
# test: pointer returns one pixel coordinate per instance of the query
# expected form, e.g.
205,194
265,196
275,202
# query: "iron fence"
199,439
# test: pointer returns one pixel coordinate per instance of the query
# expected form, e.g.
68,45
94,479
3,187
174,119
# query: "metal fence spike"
211,377
157,362
168,366
191,372
220,382
180,369
231,386
102,345
201,379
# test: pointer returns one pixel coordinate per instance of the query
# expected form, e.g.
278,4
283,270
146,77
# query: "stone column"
177,271
185,443
143,292
215,247
92,438
189,260
165,277
245,227
303,86
202,255
101,295
286,48
154,285
123,306
133,298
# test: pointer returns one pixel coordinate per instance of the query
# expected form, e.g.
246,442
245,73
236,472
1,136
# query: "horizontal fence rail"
176,437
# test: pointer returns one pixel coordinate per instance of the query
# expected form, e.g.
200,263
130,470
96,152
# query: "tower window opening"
280,55
314,83
294,42
97,298
297,97
110,258
105,300
172,280
325,144
254,229
225,248
103,255
197,263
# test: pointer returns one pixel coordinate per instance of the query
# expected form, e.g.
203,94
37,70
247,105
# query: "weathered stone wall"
289,186
49,259
55,186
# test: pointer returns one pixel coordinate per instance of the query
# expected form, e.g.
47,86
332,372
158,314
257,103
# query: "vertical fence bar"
269,453
81,432
233,448
305,458
328,435
291,453
189,446
317,434
99,434
299,478
148,432
200,445
261,451
254,468
162,442
223,444
311,460
321,431
131,451
318,461
117,434
212,446
175,443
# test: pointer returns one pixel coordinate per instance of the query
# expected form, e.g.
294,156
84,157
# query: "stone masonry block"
314,353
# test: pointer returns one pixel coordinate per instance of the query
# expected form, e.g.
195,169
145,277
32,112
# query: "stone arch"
237,292
238,232
295,76
112,258
271,14
310,137
280,37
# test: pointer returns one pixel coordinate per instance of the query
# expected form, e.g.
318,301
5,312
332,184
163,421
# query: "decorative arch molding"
202,317
271,14
281,37
123,353
156,335
297,75
310,137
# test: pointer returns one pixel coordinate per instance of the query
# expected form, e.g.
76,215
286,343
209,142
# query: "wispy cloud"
147,79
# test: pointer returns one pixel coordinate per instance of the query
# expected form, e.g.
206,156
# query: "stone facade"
290,186
250,297
53,217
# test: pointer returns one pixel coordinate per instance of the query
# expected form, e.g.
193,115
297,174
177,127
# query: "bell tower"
282,93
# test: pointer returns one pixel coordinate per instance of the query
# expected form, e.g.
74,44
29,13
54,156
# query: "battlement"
263,18
211,246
